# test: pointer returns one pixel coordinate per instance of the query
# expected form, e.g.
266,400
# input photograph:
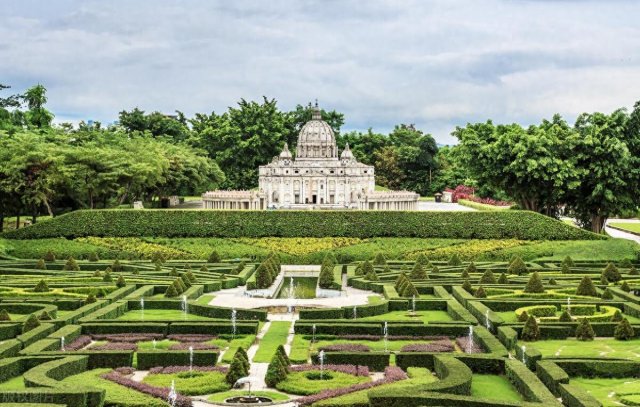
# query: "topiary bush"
467,287
276,371
116,267
41,265
487,277
611,273
586,287
93,256
214,257
480,293
565,317
624,331
31,323
584,330
71,265
380,260
120,282
418,273
4,315
517,266
503,279
454,261
534,285
49,256
530,331
41,287
237,369
625,287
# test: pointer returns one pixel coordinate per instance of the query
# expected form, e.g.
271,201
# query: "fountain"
154,344
173,396
62,343
355,312
385,334
190,359
313,333
184,306
524,354
233,322
487,322
248,399
413,304
141,308
569,305
469,347
321,360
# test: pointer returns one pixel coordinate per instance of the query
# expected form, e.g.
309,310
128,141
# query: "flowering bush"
116,346
346,347
178,369
80,343
391,374
194,345
157,392
191,337
489,201
460,192
468,346
127,337
443,345
348,369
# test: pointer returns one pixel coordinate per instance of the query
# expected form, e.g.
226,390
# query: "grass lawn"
610,392
15,383
494,387
160,315
305,383
244,341
424,316
393,346
510,317
205,299
631,227
276,335
605,347
115,393
221,397
190,383
417,376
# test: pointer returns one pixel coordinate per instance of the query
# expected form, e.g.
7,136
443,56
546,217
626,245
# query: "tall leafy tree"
37,115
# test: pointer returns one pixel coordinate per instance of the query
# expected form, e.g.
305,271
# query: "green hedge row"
551,375
149,359
576,396
375,361
527,383
214,328
523,225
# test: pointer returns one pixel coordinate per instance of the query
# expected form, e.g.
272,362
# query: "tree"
423,260
487,277
326,279
565,317
624,331
565,269
530,331
276,371
171,291
517,266
380,260
524,315
586,287
11,101
263,277
31,323
389,174
41,287
237,369
584,331
214,257
534,285
36,97
116,267
611,273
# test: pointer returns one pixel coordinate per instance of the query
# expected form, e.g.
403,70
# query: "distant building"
317,178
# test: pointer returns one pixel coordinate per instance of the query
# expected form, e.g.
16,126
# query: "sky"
435,64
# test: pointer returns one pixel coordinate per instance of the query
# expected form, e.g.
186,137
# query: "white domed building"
317,178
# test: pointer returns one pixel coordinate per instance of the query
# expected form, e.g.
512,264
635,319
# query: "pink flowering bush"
80,343
346,347
489,201
191,337
194,345
443,345
178,369
391,374
348,369
157,392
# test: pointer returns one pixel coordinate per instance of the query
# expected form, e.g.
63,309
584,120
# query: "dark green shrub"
552,281
399,280
565,317
214,257
71,265
240,267
49,256
617,316
603,279
372,276
120,282
93,256
584,330
107,277
418,273
625,287
91,298
41,287
454,261
263,277
611,273
633,271
366,267
191,277
422,259
410,290
464,274
116,267
524,316
471,268
480,293
586,287
503,279
204,268
380,260
41,265
31,323
568,261
534,285
171,291
607,295
276,371
531,331
4,315
97,273
173,272
487,277
237,369
467,287
624,331
45,316
517,266
565,269
326,280
283,355
435,269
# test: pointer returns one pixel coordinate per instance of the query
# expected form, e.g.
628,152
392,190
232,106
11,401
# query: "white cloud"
437,64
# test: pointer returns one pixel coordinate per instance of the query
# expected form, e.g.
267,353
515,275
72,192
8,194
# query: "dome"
285,154
316,139
346,153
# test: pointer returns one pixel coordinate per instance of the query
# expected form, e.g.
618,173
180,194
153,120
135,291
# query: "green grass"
374,299
244,341
160,315
417,377
115,393
393,346
15,383
300,382
510,317
221,397
606,347
424,316
276,335
631,227
205,299
493,387
190,383
601,388
299,350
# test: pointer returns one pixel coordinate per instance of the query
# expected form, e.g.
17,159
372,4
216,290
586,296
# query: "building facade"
317,178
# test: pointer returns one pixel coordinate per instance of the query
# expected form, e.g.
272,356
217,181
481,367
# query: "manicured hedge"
523,225
575,396
551,375
149,359
9,330
375,361
527,383
508,336
213,328
124,328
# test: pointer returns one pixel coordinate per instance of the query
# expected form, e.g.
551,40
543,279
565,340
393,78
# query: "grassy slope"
603,348
630,226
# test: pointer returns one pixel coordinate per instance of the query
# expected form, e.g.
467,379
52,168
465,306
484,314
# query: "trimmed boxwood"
524,225
149,359
213,328
123,328
375,361
551,375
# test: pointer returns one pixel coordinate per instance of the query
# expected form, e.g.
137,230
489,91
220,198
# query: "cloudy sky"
437,64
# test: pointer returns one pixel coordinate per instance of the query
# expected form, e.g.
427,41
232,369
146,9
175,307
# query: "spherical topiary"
487,277
584,331
214,257
624,331
531,331
534,285
586,287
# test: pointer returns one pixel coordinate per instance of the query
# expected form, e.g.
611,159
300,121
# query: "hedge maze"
434,332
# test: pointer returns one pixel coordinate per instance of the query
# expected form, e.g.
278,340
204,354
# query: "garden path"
621,234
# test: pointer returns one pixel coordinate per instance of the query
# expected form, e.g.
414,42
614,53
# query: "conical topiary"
467,287
523,316
625,287
586,287
503,279
464,274
435,269
372,276
174,272
617,316
565,269
71,265
49,256
584,331
45,316
276,371
552,281
283,354
41,287
366,267
93,256
487,277
171,291
568,261
120,282
116,267
380,260
534,285
192,278
204,268
624,331
4,315
410,290
107,277
530,331
242,354
611,273
607,294
326,278
480,293
454,261
633,271
41,265
91,298
517,266
471,268
214,257
399,280
185,280
31,323
565,316
603,279
418,273
237,370
422,259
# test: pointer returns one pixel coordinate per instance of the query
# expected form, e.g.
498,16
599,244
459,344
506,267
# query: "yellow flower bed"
137,246
300,245
469,250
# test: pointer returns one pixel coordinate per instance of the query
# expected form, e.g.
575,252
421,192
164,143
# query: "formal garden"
501,308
